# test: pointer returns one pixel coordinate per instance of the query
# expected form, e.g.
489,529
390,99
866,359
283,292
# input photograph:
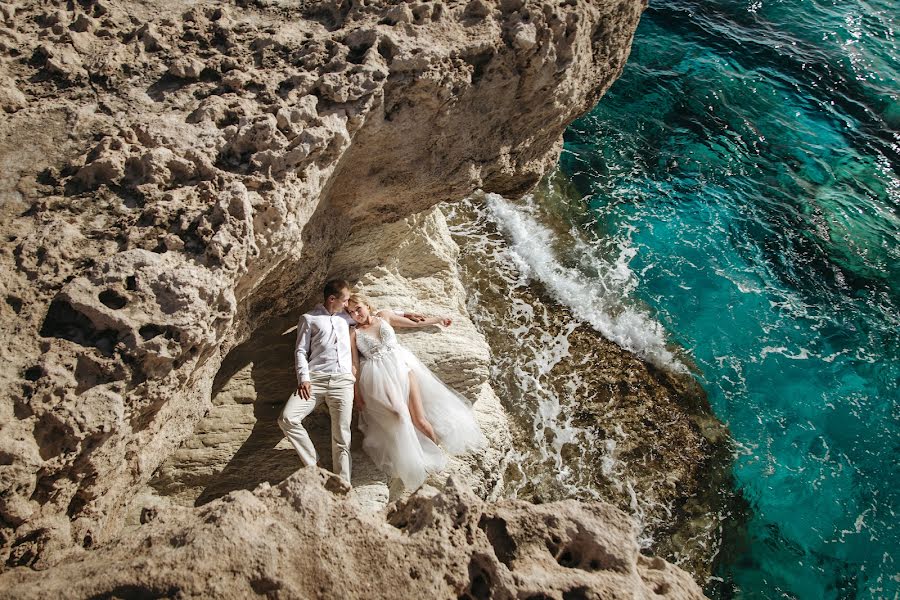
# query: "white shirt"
323,344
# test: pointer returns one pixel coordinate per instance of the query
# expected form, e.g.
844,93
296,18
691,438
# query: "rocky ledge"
307,538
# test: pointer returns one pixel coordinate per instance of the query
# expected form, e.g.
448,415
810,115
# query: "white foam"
603,301
803,354
529,371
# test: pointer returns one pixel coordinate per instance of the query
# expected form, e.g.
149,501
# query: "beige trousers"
336,391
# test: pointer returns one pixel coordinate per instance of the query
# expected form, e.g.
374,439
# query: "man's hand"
305,390
358,403
415,317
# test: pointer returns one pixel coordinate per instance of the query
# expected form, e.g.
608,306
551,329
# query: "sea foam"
603,301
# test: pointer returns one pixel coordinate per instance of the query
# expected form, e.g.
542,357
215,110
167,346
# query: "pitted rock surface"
176,174
306,538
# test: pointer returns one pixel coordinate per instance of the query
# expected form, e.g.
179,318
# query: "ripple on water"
749,157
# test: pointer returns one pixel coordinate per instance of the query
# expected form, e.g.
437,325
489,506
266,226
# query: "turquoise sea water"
748,158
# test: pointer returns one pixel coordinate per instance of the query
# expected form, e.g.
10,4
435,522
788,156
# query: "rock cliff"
178,177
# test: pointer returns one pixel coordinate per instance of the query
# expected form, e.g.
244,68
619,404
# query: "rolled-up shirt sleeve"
301,352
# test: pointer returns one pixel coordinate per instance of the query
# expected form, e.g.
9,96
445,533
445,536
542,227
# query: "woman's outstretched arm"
395,320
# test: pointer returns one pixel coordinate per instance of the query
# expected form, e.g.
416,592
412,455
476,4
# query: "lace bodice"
372,345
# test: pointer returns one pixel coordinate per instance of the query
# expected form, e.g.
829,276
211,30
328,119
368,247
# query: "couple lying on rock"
405,411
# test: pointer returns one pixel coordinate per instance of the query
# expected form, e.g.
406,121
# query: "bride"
405,410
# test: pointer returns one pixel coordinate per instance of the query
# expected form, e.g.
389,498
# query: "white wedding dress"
391,440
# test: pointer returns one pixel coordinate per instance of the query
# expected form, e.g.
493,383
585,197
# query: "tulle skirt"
390,438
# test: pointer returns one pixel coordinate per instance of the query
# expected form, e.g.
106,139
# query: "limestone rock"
151,223
11,99
186,68
307,538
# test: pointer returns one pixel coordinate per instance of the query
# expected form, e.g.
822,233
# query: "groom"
324,374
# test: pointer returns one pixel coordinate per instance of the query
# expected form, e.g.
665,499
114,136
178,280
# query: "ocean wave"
602,301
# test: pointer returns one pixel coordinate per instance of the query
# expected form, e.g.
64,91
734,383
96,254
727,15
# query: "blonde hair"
362,299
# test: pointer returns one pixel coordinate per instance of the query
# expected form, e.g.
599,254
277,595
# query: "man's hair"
334,287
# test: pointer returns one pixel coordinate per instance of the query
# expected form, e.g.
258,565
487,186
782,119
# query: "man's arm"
301,358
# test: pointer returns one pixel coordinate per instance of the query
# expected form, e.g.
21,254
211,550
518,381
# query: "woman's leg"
416,411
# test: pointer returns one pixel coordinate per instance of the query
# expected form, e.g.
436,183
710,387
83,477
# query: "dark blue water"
749,157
